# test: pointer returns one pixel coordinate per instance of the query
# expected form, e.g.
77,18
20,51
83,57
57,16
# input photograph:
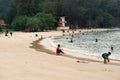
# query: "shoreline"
82,57
94,58
41,48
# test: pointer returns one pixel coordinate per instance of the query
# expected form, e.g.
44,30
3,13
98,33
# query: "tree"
0,28
81,13
4,6
19,23
41,6
33,24
50,7
25,7
47,21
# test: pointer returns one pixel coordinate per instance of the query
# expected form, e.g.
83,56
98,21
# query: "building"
2,23
62,23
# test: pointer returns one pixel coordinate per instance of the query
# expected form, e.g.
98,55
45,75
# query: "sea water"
92,43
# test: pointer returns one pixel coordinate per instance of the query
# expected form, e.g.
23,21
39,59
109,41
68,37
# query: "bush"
33,24
0,28
19,23
47,21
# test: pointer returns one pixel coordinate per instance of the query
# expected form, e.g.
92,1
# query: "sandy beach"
22,59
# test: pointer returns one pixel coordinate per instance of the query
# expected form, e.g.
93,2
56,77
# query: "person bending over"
105,57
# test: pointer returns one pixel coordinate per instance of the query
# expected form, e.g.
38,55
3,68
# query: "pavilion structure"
61,24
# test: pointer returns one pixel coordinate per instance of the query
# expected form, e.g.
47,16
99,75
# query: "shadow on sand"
41,48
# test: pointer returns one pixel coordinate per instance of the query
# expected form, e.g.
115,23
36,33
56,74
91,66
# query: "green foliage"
10,16
81,13
33,23
41,6
25,7
41,21
19,23
4,6
47,21
50,7
0,28
93,13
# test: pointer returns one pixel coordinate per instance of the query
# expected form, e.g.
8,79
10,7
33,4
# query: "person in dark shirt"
105,57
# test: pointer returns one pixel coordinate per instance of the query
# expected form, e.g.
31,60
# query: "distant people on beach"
63,32
11,33
6,33
36,35
80,31
41,37
59,50
73,32
106,57
68,31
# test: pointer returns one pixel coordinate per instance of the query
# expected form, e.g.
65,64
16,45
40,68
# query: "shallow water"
86,43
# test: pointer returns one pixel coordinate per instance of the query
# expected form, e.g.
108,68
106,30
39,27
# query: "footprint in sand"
78,61
108,70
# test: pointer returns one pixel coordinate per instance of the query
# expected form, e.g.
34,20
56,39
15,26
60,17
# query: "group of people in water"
105,56
60,51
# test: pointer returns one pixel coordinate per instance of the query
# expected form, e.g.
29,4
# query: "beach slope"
19,61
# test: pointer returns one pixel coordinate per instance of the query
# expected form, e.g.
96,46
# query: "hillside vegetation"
44,14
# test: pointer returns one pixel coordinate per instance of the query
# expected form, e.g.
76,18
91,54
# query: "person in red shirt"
58,50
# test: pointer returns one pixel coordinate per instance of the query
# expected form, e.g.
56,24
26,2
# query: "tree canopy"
78,13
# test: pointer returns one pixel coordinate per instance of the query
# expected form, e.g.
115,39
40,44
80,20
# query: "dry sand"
20,61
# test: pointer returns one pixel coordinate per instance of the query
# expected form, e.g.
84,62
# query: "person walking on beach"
11,33
6,33
105,56
41,37
36,35
59,50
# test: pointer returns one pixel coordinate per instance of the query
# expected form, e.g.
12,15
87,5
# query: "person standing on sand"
41,37
59,50
36,35
6,33
105,56
11,33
